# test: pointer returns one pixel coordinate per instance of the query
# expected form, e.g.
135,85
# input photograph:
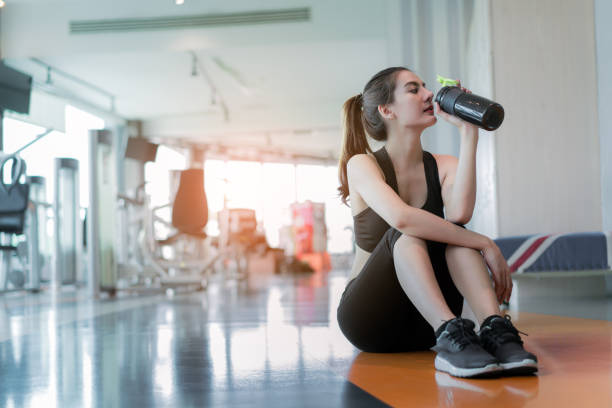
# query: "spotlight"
2,3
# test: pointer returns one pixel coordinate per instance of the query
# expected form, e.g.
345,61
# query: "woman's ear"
386,112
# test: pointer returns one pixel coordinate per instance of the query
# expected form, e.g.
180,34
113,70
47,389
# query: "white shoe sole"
527,366
443,365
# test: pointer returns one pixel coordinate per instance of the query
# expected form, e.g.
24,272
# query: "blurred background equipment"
310,234
141,149
68,233
14,196
15,89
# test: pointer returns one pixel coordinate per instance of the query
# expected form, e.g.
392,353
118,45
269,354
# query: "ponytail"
354,140
360,115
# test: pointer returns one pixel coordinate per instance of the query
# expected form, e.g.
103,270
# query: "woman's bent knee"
409,243
454,250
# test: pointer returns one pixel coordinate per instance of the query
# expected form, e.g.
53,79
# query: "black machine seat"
13,197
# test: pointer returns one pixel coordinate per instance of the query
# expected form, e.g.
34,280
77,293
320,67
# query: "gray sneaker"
459,352
500,338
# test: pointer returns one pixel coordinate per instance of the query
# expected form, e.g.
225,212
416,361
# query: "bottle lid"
446,81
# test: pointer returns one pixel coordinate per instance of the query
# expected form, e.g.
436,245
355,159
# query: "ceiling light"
178,2
2,3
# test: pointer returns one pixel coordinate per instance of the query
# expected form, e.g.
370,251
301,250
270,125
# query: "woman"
412,267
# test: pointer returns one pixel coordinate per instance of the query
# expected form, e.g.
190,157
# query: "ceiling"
278,84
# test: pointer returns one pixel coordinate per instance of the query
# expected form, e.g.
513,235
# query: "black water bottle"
472,108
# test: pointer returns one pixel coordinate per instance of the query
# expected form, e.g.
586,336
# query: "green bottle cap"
447,81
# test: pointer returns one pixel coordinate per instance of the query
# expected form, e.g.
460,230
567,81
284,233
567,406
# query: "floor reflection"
278,345
458,392
228,346
409,379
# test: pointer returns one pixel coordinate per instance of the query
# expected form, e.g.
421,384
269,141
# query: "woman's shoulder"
363,162
360,158
363,165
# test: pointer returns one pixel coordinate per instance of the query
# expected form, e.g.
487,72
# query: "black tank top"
369,227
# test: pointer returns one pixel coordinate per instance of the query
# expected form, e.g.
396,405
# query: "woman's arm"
425,225
365,178
459,186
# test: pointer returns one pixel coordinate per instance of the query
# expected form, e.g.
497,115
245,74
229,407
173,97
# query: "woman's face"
413,102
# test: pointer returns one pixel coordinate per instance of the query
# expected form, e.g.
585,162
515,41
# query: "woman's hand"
500,271
460,123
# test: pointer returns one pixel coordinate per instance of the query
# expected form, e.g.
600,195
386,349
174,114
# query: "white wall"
478,74
547,149
603,39
541,171
452,38
435,35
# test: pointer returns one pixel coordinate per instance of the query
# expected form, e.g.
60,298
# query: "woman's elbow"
460,219
401,220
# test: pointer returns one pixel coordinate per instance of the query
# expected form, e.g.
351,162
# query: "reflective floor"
268,342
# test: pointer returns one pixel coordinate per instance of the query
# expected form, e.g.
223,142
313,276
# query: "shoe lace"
463,335
500,332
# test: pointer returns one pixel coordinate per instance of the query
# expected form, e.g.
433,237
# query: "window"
270,189
40,157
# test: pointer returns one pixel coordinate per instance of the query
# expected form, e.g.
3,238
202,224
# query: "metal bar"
22,148
1,130
75,79
93,234
33,250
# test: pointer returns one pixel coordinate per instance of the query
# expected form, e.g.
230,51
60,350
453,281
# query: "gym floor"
273,343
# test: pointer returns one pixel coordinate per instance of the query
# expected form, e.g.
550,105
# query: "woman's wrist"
485,242
468,130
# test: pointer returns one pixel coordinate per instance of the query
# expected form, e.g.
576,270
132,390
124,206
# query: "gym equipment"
142,263
67,236
15,89
37,254
23,220
130,261
15,195
190,208
102,267
472,108
238,235
194,254
14,198
140,149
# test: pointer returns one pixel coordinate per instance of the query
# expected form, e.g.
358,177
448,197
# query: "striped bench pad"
557,252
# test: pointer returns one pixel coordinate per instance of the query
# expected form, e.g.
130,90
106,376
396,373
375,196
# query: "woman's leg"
416,275
469,272
376,313
497,335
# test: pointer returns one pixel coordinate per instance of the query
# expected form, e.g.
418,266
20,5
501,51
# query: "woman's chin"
422,124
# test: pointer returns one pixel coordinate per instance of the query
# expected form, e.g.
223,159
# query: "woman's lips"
429,110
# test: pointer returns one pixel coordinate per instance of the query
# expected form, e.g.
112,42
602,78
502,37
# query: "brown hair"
360,115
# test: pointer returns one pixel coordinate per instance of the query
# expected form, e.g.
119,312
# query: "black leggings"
376,315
